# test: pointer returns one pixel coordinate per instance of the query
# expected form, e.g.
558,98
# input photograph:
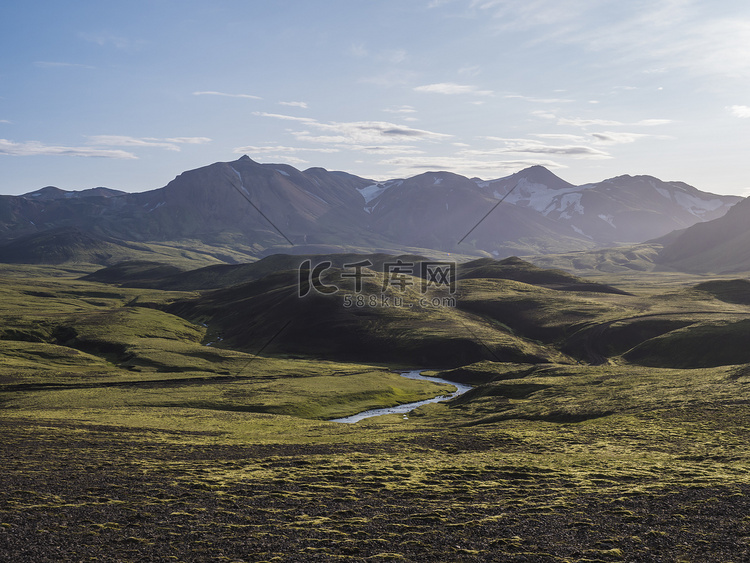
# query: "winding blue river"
408,407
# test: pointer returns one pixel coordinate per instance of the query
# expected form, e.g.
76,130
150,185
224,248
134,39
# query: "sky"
128,95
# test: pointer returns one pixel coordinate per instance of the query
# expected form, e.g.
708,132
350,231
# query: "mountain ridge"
256,209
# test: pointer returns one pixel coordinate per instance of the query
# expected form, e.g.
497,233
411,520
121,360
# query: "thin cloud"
578,122
536,147
171,143
465,165
452,89
540,100
213,93
292,160
652,122
60,64
561,137
302,105
367,132
280,149
471,71
388,149
355,132
35,148
583,123
117,41
188,140
616,138
696,36
394,56
285,117
400,110
390,78
739,111
359,51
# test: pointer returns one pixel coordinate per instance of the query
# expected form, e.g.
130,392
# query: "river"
408,407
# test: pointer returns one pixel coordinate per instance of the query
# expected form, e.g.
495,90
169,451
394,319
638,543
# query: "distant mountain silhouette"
718,246
240,210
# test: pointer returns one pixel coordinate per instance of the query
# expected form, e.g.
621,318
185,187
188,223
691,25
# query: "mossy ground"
125,438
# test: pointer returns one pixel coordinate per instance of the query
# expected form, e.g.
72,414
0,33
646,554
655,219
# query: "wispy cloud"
35,148
388,149
597,122
739,111
579,122
293,160
367,132
359,50
170,143
285,117
466,165
470,71
537,147
390,78
302,105
117,41
4,121
393,56
561,137
213,93
281,149
651,122
452,89
355,132
401,110
603,137
700,37
60,64
540,100
618,137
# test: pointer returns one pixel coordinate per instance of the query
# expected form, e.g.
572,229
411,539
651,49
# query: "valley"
143,405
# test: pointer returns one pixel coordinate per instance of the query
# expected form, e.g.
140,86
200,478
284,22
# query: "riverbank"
461,388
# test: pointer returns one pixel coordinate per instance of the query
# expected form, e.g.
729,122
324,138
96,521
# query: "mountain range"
242,210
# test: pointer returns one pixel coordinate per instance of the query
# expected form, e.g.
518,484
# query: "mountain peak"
538,174
47,192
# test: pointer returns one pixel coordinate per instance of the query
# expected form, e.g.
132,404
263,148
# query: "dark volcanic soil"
75,494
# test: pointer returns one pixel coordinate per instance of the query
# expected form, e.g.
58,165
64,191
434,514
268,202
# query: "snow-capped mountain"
617,210
266,208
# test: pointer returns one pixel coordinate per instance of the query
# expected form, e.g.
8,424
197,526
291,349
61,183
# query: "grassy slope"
162,447
80,339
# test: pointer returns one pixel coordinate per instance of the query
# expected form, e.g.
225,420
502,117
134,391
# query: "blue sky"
129,94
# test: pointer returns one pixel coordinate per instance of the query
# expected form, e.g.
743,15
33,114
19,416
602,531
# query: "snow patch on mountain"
375,190
539,197
568,204
242,185
692,204
580,232
695,205
607,218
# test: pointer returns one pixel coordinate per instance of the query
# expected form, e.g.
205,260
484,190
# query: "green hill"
268,315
